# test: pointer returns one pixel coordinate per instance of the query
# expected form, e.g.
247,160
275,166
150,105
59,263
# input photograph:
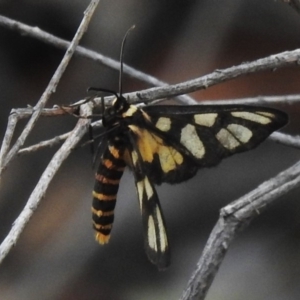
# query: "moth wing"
154,227
191,137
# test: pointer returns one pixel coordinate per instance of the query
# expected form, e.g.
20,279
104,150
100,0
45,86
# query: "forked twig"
48,91
233,219
60,155
276,61
52,40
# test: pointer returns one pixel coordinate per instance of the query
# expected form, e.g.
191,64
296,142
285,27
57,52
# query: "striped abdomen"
108,176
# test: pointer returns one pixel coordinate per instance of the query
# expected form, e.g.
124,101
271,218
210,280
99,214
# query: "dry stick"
79,130
50,88
23,113
48,143
40,189
14,117
272,62
52,40
285,99
233,219
280,60
286,139
281,138
11,125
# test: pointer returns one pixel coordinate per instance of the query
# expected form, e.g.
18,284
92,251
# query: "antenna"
121,58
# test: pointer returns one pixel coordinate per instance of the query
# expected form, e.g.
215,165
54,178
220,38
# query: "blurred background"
56,256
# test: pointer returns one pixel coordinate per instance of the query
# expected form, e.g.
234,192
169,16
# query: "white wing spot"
163,124
140,189
189,138
134,157
207,120
162,231
148,188
252,117
151,234
242,133
267,114
227,139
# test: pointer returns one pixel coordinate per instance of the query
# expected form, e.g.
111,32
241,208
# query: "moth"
168,144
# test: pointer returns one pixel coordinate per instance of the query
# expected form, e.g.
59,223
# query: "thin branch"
278,137
273,62
11,126
41,188
23,113
52,40
286,139
234,218
48,143
79,130
280,60
51,86
286,99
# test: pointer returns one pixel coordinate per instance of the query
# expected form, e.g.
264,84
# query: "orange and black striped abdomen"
108,176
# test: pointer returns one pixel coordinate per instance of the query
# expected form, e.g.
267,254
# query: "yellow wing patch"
150,144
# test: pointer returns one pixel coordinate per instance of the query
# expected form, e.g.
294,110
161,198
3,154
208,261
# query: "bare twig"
23,113
286,139
276,61
280,60
52,40
61,154
282,138
40,189
11,125
48,143
50,88
260,100
233,219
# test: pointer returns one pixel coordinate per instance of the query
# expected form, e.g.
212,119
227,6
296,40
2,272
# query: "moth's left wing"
154,227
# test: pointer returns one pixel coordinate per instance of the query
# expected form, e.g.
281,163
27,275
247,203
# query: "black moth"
168,144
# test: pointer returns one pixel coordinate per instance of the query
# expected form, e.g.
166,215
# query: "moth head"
112,115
